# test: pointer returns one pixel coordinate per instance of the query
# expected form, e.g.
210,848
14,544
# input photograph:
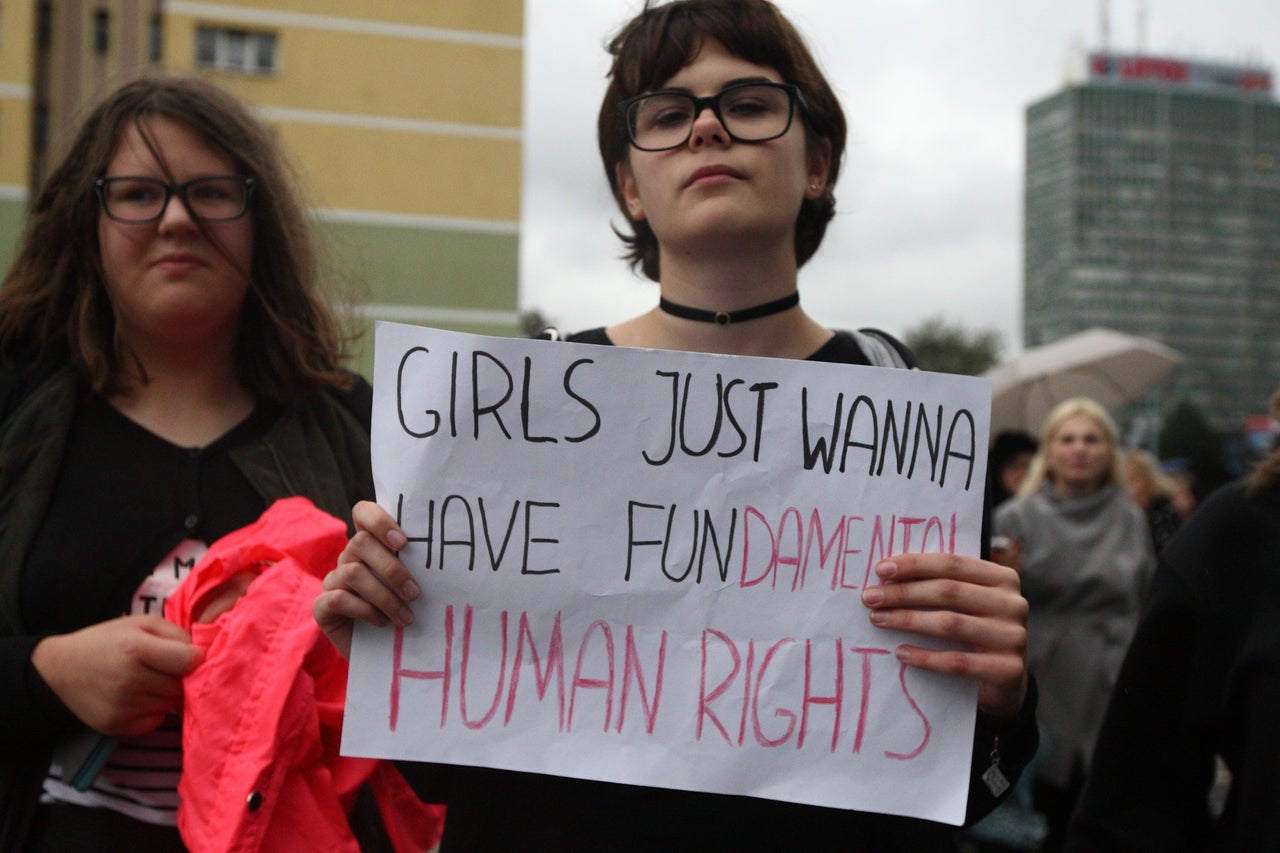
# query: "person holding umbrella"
1086,560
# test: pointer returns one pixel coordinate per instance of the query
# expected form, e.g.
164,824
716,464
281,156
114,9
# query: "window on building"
245,51
44,25
41,128
155,38
101,31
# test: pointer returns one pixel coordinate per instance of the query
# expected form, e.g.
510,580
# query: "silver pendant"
997,783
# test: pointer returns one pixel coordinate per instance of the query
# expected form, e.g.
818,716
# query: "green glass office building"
1152,207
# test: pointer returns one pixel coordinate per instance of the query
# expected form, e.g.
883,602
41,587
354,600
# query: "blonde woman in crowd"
1086,560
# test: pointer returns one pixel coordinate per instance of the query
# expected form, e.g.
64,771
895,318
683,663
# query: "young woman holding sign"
722,142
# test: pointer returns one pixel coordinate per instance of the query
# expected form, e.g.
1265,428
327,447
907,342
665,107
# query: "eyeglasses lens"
749,113
143,199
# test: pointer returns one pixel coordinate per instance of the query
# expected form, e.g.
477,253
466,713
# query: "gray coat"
1087,565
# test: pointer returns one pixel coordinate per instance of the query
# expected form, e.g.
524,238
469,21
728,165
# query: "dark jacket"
1201,680
319,450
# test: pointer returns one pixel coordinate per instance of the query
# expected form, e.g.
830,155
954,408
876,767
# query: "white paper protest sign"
646,566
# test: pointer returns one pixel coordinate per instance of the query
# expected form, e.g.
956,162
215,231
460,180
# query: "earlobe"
819,169
627,189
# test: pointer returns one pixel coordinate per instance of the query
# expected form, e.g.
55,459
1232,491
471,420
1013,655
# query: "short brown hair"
54,298
661,40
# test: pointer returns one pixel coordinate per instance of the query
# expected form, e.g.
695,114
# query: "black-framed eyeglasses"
216,198
749,112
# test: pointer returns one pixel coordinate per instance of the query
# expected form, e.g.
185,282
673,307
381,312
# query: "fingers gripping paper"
645,567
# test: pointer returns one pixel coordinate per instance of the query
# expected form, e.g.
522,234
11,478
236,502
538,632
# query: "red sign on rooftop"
1202,76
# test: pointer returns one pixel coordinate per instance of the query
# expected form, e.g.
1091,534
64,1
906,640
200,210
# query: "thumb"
171,654
158,626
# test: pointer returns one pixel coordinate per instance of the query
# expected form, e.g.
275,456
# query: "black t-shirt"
507,810
124,498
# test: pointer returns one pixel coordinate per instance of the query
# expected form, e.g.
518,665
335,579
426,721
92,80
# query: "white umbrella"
1107,366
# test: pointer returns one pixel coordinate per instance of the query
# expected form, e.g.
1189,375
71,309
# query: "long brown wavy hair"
54,301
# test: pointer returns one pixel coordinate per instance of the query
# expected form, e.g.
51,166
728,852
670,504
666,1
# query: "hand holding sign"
962,600
945,596
370,583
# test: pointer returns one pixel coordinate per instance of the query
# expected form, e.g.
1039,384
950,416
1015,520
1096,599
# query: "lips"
711,174
178,261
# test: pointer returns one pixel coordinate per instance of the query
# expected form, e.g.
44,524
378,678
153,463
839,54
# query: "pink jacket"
262,715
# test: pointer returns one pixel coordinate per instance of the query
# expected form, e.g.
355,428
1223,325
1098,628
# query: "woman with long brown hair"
169,366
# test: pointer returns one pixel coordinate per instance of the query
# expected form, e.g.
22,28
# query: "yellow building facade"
17,117
402,116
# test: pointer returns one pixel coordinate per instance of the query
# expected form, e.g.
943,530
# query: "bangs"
672,36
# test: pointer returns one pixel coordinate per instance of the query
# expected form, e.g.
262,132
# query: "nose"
176,215
707,129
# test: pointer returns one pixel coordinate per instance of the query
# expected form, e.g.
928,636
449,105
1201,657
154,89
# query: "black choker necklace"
724,318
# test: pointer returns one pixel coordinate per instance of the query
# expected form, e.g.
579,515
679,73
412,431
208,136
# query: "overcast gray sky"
929,204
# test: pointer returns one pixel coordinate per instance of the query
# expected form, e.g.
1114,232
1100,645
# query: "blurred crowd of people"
1135,610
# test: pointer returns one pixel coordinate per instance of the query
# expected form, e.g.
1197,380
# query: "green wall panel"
425,269
13,218
419,267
